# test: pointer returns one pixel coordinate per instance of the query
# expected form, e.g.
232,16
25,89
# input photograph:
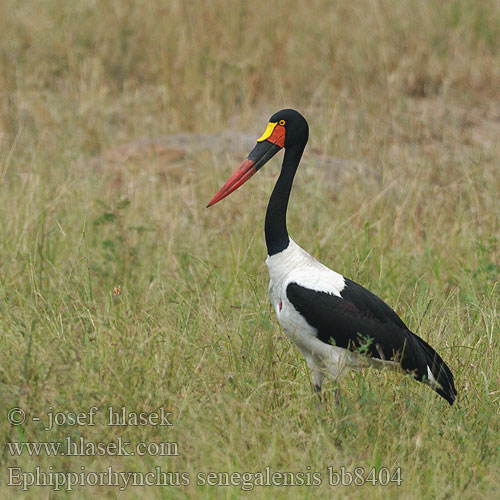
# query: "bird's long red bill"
267,146
242,174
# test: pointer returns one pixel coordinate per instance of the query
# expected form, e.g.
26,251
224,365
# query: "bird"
338,325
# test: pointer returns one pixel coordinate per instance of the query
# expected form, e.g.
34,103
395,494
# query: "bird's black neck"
275,226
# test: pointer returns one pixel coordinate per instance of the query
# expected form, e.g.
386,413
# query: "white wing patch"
430,376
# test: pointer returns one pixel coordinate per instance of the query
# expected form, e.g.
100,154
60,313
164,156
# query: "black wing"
359,320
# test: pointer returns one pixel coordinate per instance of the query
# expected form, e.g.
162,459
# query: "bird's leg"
317,378
317,389
337,395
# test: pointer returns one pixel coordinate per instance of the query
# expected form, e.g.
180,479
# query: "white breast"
295,265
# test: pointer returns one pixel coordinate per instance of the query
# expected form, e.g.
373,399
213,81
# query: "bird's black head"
295,125
286,129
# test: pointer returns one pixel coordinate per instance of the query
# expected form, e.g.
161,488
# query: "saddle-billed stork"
335,323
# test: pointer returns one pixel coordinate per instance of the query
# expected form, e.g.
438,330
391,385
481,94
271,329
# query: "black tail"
433,371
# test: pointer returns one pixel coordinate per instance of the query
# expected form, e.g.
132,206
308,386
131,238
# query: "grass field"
119,121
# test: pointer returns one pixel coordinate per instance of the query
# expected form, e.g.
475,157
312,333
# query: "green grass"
398,190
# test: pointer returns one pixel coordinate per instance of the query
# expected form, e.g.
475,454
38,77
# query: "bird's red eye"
282,122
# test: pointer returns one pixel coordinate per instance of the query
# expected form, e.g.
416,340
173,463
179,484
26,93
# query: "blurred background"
198,65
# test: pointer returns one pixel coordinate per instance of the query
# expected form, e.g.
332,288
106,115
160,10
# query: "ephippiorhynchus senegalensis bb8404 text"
336,324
